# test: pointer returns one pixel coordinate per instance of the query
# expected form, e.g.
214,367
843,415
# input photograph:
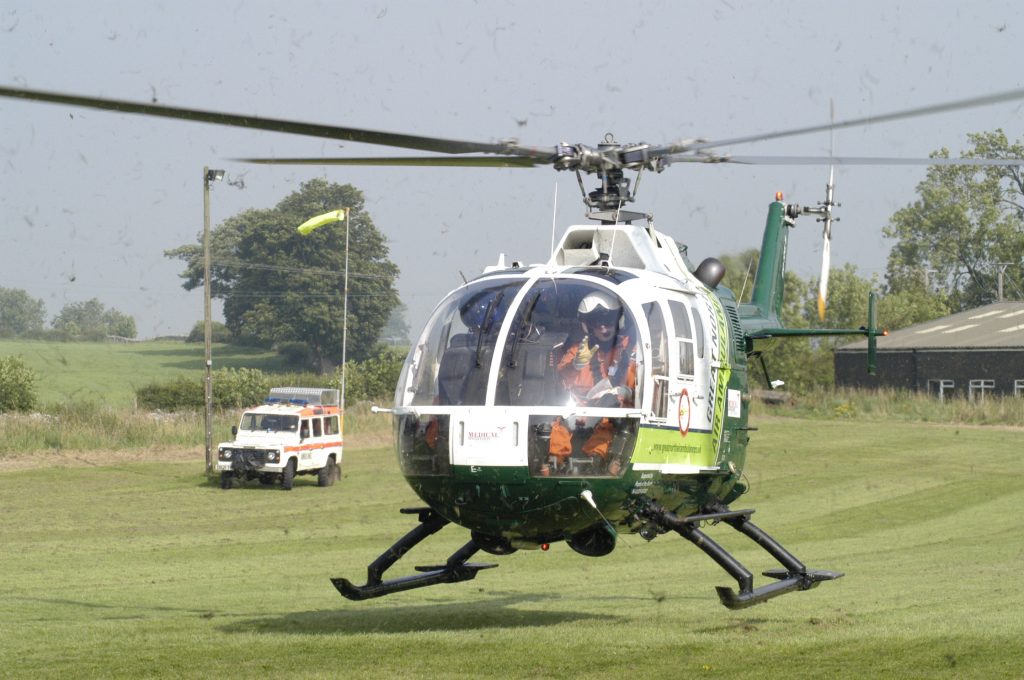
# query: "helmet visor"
602,317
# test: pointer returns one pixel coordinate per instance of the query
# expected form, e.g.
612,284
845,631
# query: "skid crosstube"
792,576
454,570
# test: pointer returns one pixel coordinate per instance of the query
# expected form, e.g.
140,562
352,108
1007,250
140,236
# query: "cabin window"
684,336
317,428
976,389
698,333
578,447
331,425
659,358
423,444
539,364
451,362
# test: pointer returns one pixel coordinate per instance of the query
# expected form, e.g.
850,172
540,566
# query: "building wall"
913,369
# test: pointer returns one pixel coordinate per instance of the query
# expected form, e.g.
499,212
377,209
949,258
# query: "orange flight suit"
580,381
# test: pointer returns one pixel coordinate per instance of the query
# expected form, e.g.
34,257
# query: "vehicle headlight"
272,456
225,454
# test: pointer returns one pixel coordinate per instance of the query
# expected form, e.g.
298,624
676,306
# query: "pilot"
599,371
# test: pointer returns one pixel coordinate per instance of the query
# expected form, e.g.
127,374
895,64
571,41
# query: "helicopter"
603,392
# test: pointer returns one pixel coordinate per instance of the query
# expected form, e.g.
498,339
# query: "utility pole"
1002,269
208,177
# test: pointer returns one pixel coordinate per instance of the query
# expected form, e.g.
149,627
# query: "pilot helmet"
600,307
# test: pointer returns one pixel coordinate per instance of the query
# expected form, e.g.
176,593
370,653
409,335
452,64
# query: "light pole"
1002,270
304,229
208,177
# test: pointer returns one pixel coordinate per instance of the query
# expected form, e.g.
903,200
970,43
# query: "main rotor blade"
841,160
349,134
958,105
423,161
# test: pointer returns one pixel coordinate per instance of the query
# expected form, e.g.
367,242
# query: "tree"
910,305
218,332
799,362
739,273
17,385
967,225
279,286
396,331
19,313
119,324
91,319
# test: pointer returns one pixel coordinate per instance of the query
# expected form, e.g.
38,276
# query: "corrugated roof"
996,326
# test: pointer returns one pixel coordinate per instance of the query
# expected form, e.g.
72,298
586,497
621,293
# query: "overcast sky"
89,200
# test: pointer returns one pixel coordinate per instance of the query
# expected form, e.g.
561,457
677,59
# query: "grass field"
108,373
146,570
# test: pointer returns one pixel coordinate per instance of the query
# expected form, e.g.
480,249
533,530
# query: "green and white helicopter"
602,392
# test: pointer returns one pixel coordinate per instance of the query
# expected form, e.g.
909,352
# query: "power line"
279,294
238,264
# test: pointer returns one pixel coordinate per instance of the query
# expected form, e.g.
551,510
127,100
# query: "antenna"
554,219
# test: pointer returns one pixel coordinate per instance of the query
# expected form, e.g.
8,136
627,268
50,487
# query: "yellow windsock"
320,220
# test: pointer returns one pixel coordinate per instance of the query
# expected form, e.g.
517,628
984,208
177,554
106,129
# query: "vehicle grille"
248,459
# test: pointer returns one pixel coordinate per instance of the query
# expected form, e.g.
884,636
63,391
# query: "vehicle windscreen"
269,422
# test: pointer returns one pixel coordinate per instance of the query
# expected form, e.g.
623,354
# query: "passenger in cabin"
599,370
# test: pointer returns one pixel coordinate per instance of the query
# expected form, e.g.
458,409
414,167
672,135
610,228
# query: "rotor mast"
609,161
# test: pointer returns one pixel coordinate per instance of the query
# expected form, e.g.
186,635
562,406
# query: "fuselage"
498,431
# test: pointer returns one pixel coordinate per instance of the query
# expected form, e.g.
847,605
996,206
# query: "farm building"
968,354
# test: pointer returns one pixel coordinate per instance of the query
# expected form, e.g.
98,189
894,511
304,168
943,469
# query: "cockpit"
557,358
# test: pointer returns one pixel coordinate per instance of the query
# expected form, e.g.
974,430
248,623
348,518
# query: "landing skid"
456,569
792,576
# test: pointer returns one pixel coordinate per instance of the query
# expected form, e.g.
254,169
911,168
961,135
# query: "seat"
460,380
530,377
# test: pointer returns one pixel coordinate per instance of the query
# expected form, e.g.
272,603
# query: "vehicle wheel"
328,474
225,479
288,475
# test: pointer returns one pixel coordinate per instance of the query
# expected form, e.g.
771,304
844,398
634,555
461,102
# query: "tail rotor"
824,212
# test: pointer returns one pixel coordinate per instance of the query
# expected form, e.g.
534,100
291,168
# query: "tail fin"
766,298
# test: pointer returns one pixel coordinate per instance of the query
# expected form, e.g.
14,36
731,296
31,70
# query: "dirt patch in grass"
72,458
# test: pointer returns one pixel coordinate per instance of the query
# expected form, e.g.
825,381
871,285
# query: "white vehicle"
297,431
